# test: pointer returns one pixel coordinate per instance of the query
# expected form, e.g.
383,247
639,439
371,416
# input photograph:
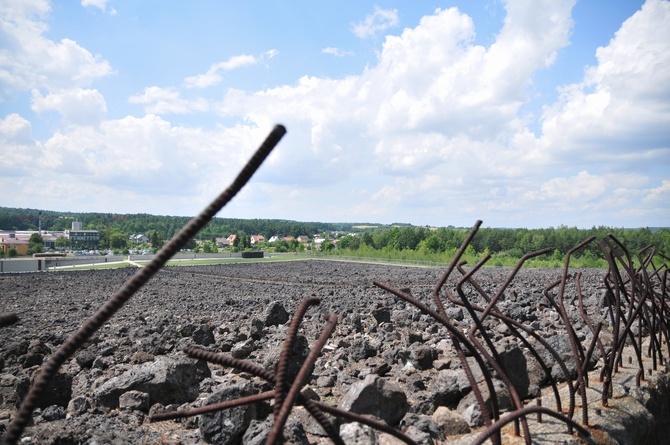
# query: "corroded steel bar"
143,275
457,338
450,268
248,400
365,421
300,380
281,385
493,359
496,427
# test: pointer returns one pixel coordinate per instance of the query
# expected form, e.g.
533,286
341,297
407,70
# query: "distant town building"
8,241
80,238
257,239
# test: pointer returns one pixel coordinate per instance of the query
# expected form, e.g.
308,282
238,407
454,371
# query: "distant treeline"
513,243
166,226
395,237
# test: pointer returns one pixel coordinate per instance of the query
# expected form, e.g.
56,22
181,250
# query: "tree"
12,253
157,240
35,244
62,242
327,246
117,240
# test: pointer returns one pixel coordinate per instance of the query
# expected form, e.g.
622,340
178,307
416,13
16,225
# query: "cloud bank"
433,133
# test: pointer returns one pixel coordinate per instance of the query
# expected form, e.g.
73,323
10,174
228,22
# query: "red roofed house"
257,239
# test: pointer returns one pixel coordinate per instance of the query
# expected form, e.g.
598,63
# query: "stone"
243,349
361,349
58,391
86,358
356,433
203,335
228,426
378,397
258,431
473,415
382,315
514,363
53,412
275,314
449,423
134,401
450,386
78,405
168,379
421,428
502,396
422,357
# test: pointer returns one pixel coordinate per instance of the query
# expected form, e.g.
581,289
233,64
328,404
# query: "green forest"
393,241
166,226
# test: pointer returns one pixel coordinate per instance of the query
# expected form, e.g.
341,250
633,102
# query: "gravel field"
134,366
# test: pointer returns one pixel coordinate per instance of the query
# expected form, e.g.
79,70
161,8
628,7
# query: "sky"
519,113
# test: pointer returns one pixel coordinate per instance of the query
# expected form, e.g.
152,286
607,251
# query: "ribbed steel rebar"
116,301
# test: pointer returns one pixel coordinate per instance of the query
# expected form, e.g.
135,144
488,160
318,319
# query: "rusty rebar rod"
281,384
496,427
304,373
141,277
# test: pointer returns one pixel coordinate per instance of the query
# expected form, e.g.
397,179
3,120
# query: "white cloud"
29,60
76,106
100,4
431,132
375,23
131,162
157,100
213,75
336,52
19,149
660,194
620,111
435,105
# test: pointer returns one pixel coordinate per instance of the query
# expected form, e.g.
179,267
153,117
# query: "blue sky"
519,113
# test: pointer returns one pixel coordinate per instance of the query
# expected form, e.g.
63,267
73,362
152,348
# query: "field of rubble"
135,366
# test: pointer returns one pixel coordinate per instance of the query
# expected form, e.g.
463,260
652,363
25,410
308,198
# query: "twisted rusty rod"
143,275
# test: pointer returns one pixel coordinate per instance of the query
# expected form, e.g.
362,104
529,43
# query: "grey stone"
58,391
227,426
361,349
502,396
258,431
13,388
449,422
421,428
243,349
168,379
275,314
382,315
450,386
53,412
203,335
455,313
355,433
378,397
134,401
422,356
78,405
514,363
473,416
